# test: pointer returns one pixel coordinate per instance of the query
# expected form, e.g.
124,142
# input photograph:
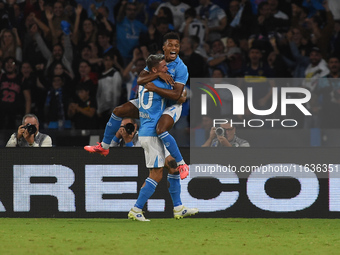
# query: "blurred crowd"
70,62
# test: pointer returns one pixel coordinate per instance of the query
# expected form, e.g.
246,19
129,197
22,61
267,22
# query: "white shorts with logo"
153,151
174,111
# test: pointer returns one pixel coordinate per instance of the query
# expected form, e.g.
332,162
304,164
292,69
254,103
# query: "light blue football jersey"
151,107
178,71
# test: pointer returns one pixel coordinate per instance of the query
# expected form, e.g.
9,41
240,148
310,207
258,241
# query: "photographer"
28,134
224,136
127,134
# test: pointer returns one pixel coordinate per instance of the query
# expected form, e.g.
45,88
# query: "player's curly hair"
171,35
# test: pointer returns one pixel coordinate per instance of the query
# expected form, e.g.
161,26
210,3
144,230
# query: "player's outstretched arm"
173,94
145,77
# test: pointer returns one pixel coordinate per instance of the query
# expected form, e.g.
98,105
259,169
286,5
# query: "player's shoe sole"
97,149
183,171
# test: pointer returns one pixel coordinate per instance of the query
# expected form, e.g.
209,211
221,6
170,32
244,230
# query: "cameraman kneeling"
28,134
127,134
224,136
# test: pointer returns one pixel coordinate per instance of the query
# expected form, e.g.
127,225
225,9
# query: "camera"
219,131
31,129
129,127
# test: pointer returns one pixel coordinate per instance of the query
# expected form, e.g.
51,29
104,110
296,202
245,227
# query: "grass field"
168,236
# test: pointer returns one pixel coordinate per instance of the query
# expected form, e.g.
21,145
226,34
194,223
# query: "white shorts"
153,151
173,111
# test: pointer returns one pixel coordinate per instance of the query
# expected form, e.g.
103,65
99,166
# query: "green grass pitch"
169,236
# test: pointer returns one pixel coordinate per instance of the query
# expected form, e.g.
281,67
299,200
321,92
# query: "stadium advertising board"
69,182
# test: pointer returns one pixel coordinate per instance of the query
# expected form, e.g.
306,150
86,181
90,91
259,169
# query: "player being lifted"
177,76
151,107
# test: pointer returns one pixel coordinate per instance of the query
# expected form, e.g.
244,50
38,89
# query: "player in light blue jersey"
151,107
177,77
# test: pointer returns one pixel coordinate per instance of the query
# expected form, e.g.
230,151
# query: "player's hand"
150,86
167,78
21,131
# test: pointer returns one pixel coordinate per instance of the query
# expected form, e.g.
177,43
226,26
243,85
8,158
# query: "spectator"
266,23
164,12
131,72
63,53
87,35
218,58
28,134
11,44
87,78
234,57
239,17
177,8
225,136
328,89
194,26
102,15
91,5
56,105
256,74
107,48
197,66
109,90
321,31
152,41
127,134
315,70
15,98
54,19
215,18
83,111
128,30
273,6
335,40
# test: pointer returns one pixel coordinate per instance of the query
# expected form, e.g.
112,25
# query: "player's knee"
116,111
160,130
157,174
172,165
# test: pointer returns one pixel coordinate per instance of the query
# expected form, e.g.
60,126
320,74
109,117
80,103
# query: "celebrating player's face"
171,49
162,67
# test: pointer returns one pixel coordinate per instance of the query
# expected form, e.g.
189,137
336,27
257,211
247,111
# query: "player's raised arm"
145,77
173,94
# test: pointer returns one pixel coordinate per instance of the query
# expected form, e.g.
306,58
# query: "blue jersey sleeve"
181,74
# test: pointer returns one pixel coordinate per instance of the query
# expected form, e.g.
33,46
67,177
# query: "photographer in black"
127,134
28,134
224,136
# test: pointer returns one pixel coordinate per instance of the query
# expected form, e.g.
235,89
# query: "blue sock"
170,143
111,128
146,192
175,189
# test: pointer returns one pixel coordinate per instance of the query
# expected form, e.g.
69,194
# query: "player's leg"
154,158
165,123
180,210
129,109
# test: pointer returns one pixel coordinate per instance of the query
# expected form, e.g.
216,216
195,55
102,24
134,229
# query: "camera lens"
219,131
129,127
31,129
